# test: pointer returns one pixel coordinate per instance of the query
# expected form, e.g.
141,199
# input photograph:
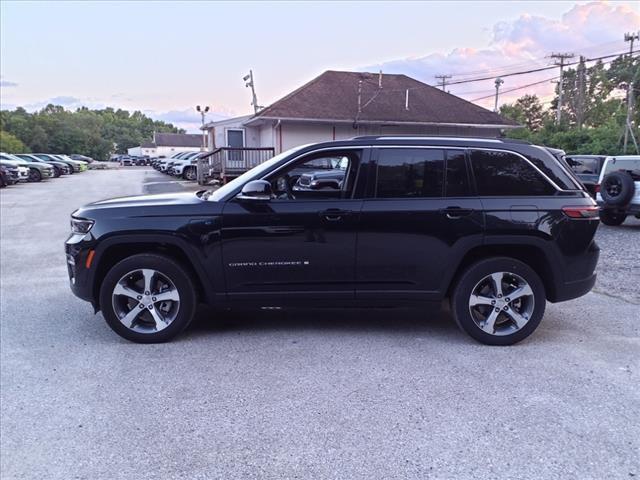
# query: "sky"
164,58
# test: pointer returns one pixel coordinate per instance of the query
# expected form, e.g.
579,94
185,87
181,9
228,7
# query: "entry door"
301,245
235,139
412,227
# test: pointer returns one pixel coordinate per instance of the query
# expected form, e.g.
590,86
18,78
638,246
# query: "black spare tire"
617,188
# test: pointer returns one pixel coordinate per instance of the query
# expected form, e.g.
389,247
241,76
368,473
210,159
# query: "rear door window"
500,173
410,173
457,176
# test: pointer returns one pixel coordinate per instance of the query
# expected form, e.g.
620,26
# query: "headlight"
81,225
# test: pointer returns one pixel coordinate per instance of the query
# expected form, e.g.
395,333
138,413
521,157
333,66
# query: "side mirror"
256,190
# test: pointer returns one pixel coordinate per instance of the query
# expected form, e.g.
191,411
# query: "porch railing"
226,162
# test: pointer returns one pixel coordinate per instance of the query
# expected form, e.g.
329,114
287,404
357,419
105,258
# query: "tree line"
95,133
594,110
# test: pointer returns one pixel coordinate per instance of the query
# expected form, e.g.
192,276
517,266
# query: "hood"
161,199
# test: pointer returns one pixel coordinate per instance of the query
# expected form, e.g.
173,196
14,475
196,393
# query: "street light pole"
203,112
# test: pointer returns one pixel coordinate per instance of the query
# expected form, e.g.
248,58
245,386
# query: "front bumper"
79,267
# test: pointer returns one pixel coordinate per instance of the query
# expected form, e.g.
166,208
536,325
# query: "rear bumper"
579,276
578,288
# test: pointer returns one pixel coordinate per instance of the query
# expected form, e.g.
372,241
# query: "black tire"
612,218
474,275
56,172
189,173
167,267
35,175
617,188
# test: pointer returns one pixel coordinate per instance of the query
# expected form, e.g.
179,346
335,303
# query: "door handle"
335,214
455,213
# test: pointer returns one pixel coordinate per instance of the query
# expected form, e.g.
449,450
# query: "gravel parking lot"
327,394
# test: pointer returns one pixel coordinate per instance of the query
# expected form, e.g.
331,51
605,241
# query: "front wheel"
498,301
35,175
189,173
148,298
612,218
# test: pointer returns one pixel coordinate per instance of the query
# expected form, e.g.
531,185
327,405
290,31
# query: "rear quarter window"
499,173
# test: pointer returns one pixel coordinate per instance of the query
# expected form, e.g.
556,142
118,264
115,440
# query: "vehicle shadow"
400,321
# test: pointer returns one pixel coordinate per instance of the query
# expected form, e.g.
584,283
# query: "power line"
546,80
541,69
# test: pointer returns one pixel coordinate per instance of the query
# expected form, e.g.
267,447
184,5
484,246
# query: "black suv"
499,227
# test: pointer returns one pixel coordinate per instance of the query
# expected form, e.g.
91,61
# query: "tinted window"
409,172
457,178
631,166
506,174
584,165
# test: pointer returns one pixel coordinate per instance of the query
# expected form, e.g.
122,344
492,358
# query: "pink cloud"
592,30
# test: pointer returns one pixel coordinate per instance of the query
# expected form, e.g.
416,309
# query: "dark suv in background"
498,227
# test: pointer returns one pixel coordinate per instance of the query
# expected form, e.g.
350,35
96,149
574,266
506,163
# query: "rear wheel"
148,298
612,218
498,301
35,175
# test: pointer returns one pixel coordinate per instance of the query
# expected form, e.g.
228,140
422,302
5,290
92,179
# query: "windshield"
254,172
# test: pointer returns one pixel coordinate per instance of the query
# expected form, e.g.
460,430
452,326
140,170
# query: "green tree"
11,144
527,110
89,132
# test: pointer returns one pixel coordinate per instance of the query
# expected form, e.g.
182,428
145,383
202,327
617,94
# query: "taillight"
590,211
597,188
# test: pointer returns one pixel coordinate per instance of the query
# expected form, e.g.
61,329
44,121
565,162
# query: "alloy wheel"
501,303
145,300
190,173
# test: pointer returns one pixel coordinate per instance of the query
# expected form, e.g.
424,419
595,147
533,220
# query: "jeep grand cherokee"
498,227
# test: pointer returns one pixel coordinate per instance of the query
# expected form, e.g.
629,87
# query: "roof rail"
440,137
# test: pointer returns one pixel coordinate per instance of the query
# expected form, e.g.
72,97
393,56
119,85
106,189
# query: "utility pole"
560,61
203,112
631,37
248,79
628,127
498,82
443,80
581,91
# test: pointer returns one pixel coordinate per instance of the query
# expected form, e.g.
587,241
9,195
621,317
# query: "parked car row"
614,182
130,160
36,167
183,164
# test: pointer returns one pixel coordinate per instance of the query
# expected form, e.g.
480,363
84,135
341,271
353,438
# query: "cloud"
6,83
592,30
66,101
189,118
